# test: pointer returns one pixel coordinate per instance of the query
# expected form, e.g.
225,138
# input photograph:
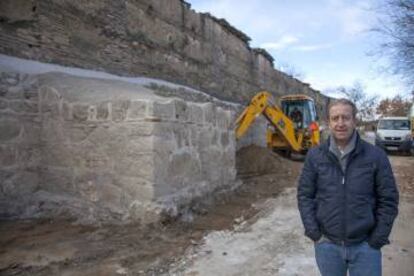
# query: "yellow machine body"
283,133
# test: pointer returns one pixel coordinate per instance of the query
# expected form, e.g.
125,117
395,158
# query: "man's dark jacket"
348,207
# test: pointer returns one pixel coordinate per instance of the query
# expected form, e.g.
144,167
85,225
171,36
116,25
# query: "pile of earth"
254,161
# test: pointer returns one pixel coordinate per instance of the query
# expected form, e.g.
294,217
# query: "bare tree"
365,103
397,106
398,27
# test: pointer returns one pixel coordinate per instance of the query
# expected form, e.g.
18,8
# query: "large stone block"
31,132
144,212
9,78
92,113
162,110
183,165
10,129
180,135
24,106
76,133
228,160
211,164
4,175
135,188
119,110
80,112
12,92
53,130
194,135
20,184
8,155
134,164
103,111
196,114
224,139
49,101
3,104
209,110
206,135
181,111
97,187
137,110
91,156
140,129
31,93
67,111
29,156
113,198
57,181
119,139
223,118
58,155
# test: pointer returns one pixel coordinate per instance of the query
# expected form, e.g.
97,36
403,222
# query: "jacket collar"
333,147
358,144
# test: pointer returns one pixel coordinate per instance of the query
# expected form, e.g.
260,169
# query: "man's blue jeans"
335,260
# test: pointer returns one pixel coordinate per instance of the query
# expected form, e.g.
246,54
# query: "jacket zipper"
350,157
343,173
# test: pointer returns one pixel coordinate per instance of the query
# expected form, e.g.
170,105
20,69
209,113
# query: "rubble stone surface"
158,39
107,151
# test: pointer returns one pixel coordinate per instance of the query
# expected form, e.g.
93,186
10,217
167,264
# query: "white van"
394,133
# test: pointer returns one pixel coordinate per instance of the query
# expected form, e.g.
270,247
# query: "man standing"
347,198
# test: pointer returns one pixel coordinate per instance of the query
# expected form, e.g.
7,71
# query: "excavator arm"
261,105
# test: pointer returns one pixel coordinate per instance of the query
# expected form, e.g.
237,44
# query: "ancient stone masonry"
20,128
163,39
107,151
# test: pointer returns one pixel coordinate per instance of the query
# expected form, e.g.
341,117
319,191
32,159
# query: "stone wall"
108,151
20,128
163,39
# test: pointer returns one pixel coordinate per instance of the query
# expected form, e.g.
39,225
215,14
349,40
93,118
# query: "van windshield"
394,124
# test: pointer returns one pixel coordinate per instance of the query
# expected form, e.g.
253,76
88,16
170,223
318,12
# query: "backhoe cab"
293,127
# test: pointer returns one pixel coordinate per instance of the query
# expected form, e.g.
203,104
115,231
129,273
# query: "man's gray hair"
344,102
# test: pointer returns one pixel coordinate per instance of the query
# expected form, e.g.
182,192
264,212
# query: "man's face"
341,123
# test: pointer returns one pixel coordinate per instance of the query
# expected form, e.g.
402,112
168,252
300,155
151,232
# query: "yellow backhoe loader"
292,128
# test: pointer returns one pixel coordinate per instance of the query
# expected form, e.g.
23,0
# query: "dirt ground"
274,244
254,231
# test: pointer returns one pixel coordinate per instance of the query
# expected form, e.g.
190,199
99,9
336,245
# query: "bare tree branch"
397,25
365,103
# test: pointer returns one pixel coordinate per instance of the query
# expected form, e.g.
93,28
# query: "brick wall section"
163,39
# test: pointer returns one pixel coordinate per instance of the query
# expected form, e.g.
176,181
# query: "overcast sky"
329,41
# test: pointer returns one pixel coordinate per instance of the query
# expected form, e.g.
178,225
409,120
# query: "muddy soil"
255,230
